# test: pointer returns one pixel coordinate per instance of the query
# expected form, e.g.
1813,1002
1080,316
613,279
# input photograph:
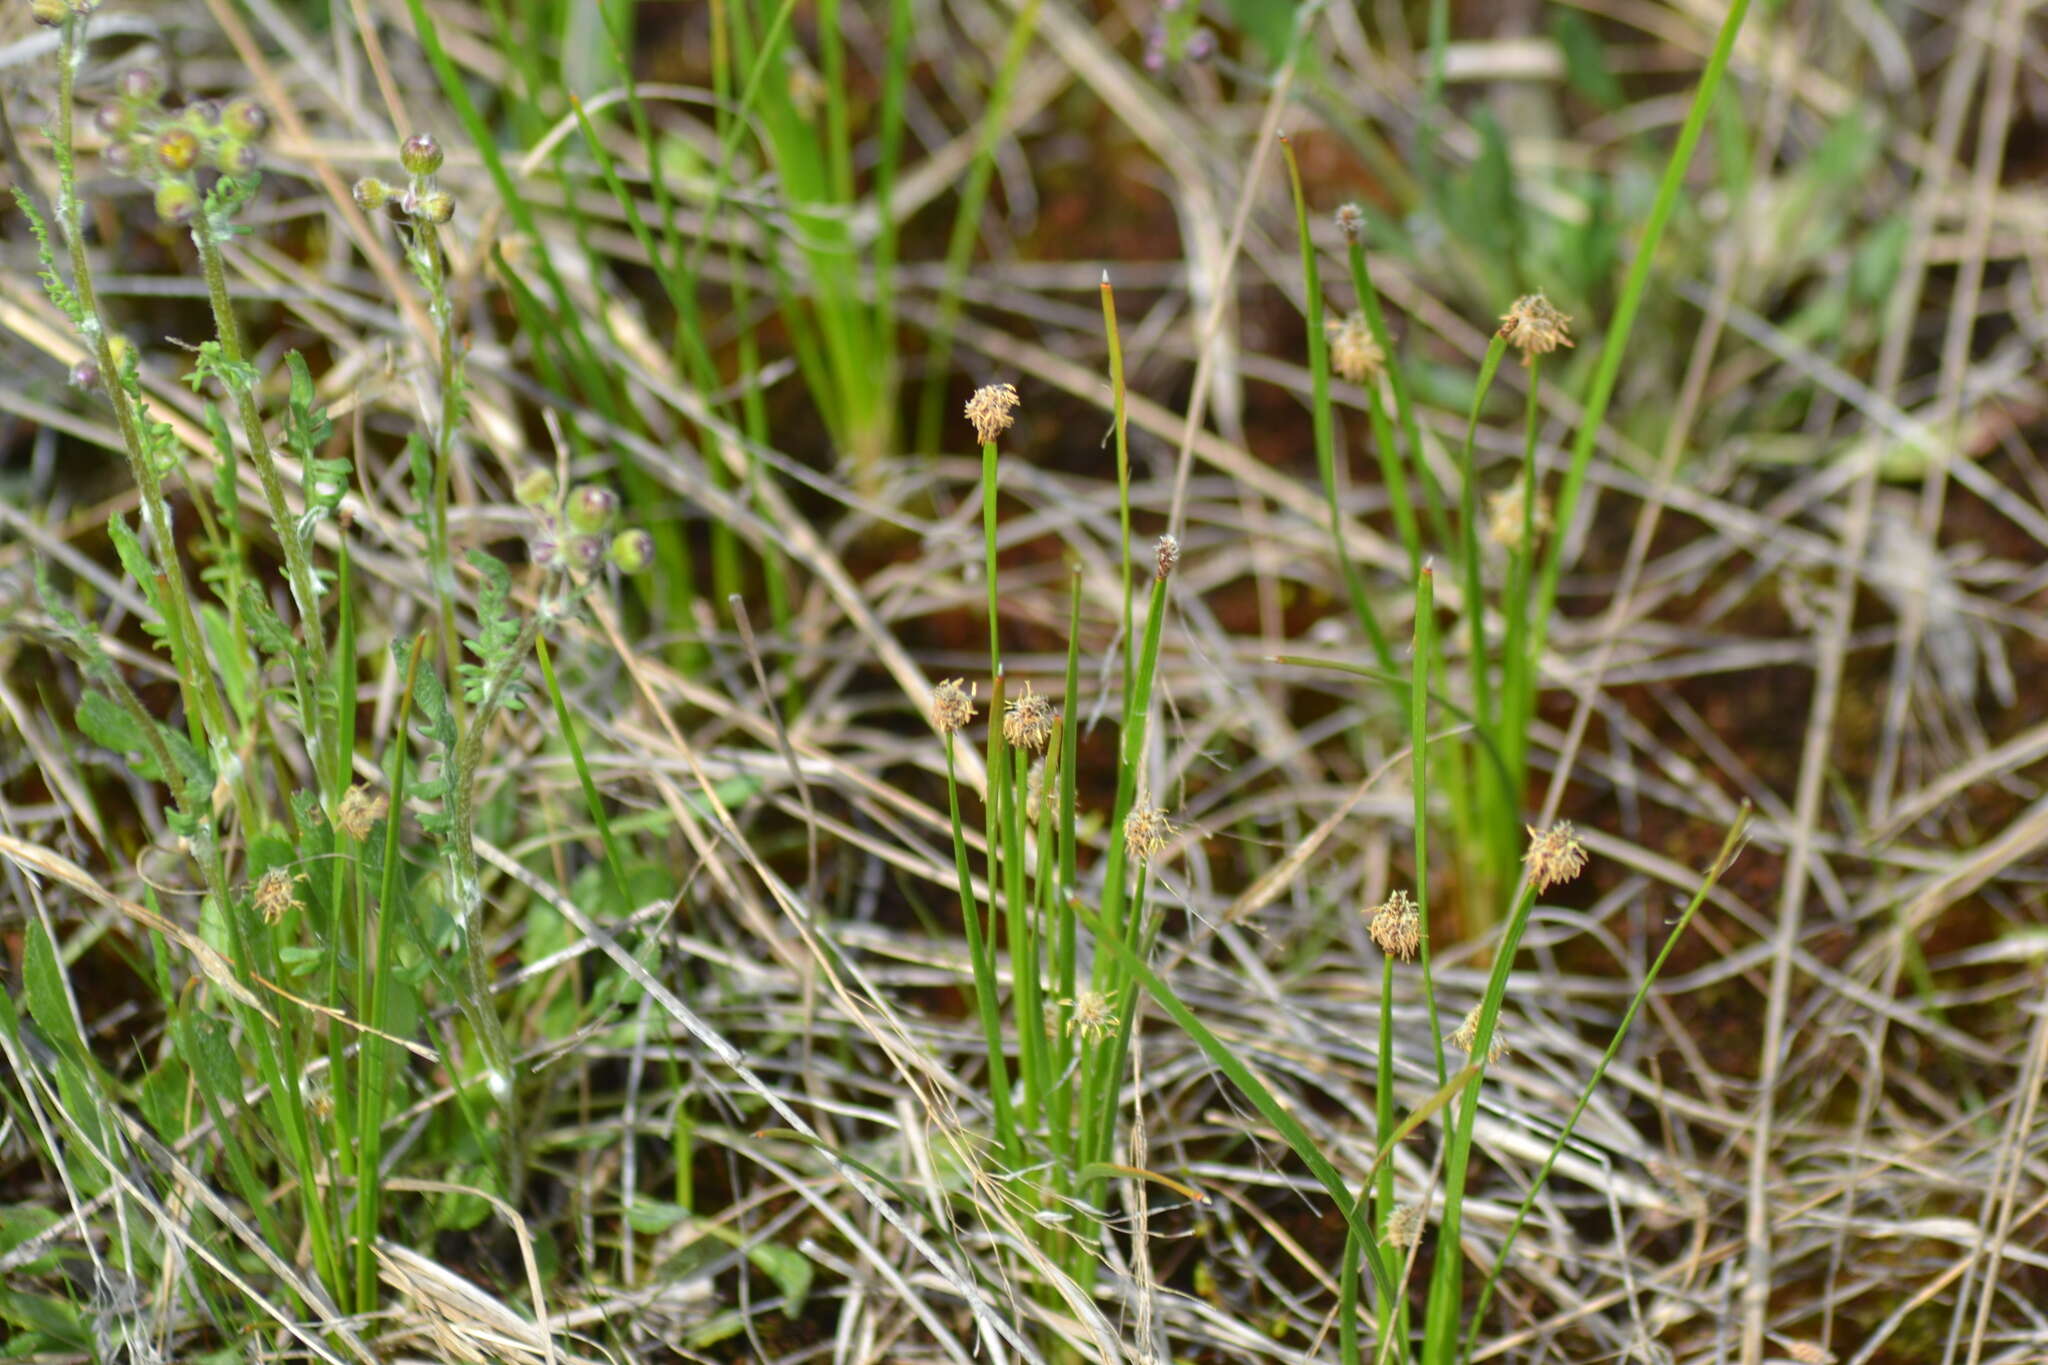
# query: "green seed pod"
177,150
177,201
236,157
49,13
536,489
372,194
591,508
246,119
421,154
633,551
121,349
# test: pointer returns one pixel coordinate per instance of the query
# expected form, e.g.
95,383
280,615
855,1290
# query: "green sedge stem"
1729,847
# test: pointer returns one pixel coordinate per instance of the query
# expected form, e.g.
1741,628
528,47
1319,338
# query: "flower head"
1028,721
1554,856
275,894
1405,1224
1397,928
1354,354
1504,517
1535,327
1165,555
992,410
1466,1037
952,706
1092,1018
420,154
1146,830
360,810
1351,221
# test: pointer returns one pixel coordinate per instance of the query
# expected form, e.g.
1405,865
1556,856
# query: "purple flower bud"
371,194
113,119
85,375
177,201
591,507
142,83
204,113
633,551
586,553
120,157
546,551
246,119
236,157
1201,45
536,489
421,154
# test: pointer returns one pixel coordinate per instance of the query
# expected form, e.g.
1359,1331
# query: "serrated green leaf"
107,724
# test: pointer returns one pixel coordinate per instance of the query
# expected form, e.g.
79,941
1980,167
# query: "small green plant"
323,941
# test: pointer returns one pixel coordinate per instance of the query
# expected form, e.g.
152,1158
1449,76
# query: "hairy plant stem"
426,250
205,708
468,895
298,568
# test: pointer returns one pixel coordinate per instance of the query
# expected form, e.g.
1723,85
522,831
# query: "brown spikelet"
1165,555
1028,721
992,410
275,894
1555,856
952,706
1535,327
360,811
1146,830
1405,1224
1466,1037
1397,928
1354,354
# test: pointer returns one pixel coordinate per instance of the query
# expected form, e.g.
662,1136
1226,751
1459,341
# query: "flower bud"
536,489
121,349
586,553
142,83
177,150
421,154
113,119
85,375
372,194
119,157
436,207
204,114
546,551
632,551
49,13
591,507
177,201
246,119
236,157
